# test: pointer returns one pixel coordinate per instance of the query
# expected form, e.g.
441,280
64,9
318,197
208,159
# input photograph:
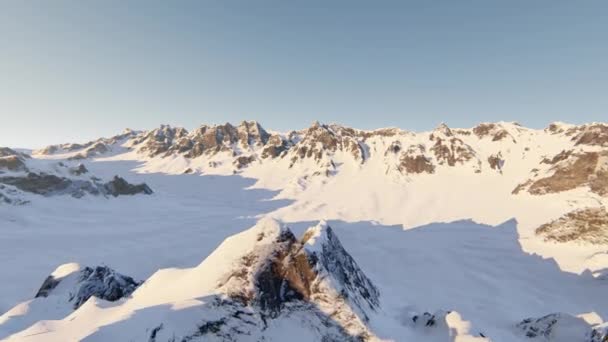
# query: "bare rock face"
79,170
118,186
49,185
560,327
496,161
563,155
8,152
284,275
12,160
555,128
158,141
319,141
414,160
592,135
450,150
212,139
276,146
586,226
496,132
101,282
251,133
38,183
571,171
12,163
243,161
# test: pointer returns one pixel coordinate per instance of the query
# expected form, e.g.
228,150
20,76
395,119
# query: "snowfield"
443,237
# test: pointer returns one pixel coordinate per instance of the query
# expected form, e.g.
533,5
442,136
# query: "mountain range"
492,233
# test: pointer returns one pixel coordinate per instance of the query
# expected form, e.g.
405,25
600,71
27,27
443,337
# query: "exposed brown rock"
382,132
451,151
563,155
12,163
496,162
275,146
554,129
568,176
243,161
413,160
489,129
593,135
521,187
160,140
587,225
323,140
251,133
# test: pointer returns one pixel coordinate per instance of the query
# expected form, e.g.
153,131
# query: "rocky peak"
495,131
159,140
276,145
251,133
12,160
319,141
282,273
443,130
79,284
9,152
330,261
88,149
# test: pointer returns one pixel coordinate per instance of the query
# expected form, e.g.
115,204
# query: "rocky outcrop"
12,160
160,140
78,170
101,282
571,171
413,160
64,291
558,327
276,146
320,142
584,226
243,161
591,135
89,149
496,161
251,133
494,131
49,185
449,149
118,186
43,183
282,274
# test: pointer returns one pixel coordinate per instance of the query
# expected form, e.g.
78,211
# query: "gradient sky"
77,70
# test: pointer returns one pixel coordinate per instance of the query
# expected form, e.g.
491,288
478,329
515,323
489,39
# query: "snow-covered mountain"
21,176
476,206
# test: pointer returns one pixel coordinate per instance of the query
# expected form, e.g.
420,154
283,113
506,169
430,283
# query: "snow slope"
432,218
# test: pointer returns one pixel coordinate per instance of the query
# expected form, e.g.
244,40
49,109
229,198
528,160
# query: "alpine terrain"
238,233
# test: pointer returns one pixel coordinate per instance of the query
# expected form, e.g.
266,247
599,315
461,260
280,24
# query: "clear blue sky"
76,70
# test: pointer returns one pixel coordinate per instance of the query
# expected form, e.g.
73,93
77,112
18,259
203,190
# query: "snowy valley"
237,233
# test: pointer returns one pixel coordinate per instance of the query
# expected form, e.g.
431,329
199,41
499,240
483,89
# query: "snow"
452,241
